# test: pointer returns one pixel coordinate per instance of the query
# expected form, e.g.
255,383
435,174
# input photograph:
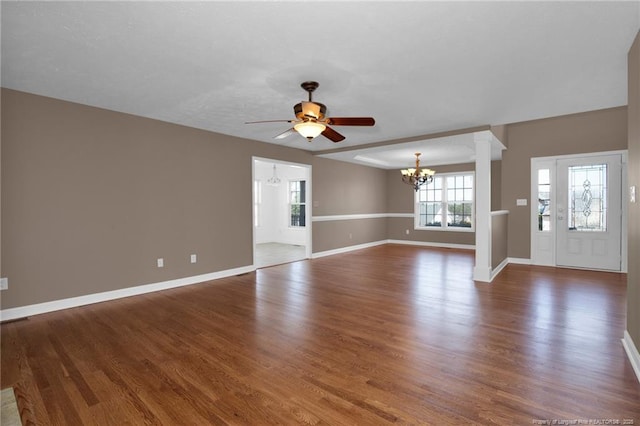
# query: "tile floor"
269,254
9,415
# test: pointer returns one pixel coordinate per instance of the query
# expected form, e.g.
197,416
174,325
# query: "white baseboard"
482,274
518,260
632,353
430,244
56,305
347,249
377,243
498,269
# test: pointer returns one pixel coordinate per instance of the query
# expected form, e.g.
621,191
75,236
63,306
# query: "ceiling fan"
311,120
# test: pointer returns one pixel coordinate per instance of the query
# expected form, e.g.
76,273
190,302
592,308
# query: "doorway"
281,218
578,215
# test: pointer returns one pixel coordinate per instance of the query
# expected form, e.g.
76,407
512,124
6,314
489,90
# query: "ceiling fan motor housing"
307,110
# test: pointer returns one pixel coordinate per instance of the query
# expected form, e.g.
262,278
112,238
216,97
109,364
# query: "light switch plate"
4,283
632,194
521,202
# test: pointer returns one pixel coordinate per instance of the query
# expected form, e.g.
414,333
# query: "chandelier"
273,180
417,177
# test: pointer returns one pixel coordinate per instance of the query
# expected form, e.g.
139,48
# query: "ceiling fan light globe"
310,129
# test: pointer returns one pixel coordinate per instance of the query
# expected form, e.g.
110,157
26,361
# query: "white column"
482,269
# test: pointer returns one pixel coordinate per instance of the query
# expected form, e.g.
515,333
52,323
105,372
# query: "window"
446,203
297,203
544,200
588,198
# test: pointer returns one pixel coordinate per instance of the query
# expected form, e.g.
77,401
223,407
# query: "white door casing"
305,234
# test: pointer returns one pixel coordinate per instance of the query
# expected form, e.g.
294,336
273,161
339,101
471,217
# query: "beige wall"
90,199
344,188
496,185
595,131
1,194
633,277
397,227
344,233
499,238
341,188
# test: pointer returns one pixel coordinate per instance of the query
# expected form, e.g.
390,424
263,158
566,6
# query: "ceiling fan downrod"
310,86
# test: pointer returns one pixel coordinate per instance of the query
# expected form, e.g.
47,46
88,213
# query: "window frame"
444,204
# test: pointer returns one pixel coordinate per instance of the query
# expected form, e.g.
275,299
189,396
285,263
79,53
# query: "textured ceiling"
417,67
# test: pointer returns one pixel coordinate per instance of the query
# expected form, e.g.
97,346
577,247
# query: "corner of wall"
500,133
632,331
632,353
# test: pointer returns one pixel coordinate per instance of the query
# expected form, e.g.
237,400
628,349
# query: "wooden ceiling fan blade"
332,135
285,133
268,121
351,121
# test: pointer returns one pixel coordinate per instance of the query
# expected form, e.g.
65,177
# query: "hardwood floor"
390,334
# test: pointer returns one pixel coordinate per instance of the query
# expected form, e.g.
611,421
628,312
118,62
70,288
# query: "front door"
588,212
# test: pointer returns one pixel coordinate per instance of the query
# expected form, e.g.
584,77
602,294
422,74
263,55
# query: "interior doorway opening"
281,212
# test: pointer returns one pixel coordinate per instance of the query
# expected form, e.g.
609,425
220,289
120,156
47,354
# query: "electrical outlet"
406,231
4,283
160,262
350,236
632,194
194,258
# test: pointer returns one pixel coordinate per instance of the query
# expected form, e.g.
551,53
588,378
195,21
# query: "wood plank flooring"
390,334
